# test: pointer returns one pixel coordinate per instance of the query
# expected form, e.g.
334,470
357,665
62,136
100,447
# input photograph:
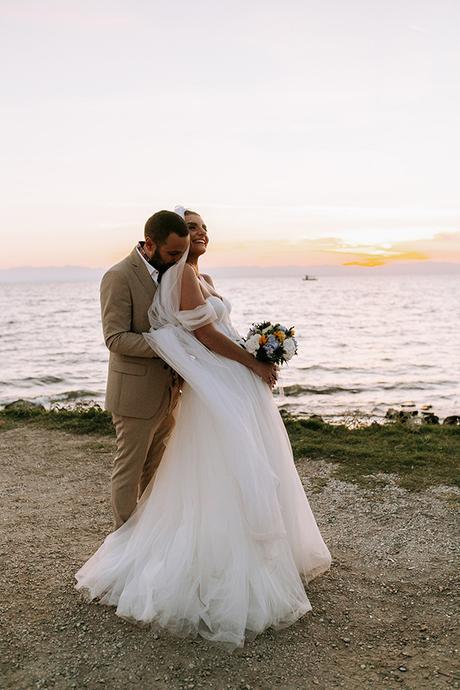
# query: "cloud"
335,251
443,246
371,261
452,237
418,29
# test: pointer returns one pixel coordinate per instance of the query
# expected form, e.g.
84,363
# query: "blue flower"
270,348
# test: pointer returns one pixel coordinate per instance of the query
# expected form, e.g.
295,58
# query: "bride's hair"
162,224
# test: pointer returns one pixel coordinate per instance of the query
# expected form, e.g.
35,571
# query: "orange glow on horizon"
371,261
105,249
331,251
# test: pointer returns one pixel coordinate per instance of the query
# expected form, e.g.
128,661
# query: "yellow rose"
263,339
280,336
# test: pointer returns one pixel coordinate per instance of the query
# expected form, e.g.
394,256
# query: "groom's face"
162,256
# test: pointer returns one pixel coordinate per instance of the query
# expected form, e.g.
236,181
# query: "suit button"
165,366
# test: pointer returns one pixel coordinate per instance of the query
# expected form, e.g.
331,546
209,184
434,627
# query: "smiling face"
198,235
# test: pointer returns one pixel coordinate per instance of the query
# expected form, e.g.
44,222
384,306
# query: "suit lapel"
142,272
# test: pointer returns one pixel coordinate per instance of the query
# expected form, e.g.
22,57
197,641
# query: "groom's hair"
162,224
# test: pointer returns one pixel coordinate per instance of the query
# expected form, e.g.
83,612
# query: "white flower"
289,347
252,344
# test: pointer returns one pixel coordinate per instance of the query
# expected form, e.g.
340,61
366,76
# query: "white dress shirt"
151,269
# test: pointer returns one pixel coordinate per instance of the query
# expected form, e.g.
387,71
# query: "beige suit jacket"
139,384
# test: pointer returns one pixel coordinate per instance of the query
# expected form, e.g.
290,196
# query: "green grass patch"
81,419
422,456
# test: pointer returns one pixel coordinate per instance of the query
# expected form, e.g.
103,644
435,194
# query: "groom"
142,390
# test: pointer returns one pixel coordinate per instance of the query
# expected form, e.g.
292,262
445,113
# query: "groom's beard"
157,262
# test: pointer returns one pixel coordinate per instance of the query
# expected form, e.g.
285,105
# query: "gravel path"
382,618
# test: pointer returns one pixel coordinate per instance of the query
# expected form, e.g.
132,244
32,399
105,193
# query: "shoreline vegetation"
414,455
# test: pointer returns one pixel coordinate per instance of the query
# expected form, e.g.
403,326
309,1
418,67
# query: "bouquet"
271,342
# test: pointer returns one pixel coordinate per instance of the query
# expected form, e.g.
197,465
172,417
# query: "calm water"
365,343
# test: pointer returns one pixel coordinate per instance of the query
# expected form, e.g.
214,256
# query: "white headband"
180,210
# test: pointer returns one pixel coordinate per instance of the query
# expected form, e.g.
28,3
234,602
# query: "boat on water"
308,277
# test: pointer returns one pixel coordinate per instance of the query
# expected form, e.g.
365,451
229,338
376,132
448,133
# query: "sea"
365,343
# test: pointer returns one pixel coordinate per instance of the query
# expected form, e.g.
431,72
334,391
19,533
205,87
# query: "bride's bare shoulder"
188,271
189,278
208,279
191,294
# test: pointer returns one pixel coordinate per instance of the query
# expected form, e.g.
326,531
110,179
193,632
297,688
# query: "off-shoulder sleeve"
191,319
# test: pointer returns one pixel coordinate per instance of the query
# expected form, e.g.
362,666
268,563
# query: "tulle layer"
219,541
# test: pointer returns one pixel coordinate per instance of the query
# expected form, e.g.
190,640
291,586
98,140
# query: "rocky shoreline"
407,413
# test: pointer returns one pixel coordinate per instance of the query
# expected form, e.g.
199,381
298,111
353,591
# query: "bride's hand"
266,371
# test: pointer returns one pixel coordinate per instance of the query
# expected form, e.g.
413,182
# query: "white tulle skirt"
223,535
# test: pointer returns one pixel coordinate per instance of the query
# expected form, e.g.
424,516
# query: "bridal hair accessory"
180,210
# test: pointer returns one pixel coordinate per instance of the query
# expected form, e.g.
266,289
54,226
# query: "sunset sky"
307,133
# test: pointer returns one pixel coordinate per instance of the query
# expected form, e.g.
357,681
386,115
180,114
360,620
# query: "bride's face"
198,235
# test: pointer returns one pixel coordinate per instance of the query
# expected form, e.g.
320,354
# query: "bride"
223,536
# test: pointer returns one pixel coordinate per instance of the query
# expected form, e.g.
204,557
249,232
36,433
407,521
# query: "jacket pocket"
129,368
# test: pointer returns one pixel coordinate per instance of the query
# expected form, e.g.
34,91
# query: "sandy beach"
383,617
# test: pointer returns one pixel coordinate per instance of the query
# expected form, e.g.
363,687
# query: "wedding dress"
222,537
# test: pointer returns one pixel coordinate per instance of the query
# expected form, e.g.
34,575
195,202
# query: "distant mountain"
82,274
50,274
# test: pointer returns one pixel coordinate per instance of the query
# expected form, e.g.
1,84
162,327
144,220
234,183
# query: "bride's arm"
192,297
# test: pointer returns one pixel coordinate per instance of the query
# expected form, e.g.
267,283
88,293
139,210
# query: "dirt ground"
383,617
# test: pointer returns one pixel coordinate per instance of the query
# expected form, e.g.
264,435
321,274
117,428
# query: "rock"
23,406
424,408
400,415
430,418
453,420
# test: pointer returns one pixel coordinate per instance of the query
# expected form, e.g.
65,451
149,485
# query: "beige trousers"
140,447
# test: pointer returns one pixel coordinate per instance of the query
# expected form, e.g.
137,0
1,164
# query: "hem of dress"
316,572
227,641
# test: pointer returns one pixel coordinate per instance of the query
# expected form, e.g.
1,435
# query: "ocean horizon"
75,273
